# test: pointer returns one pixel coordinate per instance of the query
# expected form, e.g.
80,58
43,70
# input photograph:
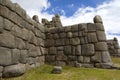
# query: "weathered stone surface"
75,34
19,43
32,38
52,50
7,40
74,28
96,58
1,69
106,57
14,70
32,50
62,35
57,70
97,19
8,24
25,34
101,46
59,42
60,48
17,31
15,56
92,37
86,59
50,58
55,36
106,65
68,29
80,59
1,24
5,56
78,50
23,56
60,63
72,58
87,65
99,26
49,42
67,50
69,35
31,60
75,41
88,50
91,27
61,57
82,27
101,36
4,11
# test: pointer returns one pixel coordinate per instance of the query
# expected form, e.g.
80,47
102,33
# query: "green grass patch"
71,73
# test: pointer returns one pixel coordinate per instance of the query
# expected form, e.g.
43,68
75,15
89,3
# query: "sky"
77,11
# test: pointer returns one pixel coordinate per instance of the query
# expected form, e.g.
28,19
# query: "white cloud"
109,11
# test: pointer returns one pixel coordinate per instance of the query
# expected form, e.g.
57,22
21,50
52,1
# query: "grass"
71,73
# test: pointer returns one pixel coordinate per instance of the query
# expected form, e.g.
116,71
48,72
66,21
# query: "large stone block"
1,69
68,29
75,41
106,57
14,70
31,60
49,42
78,50
15,56
40,42
4,11
69,35
59,42
67,41
56,36
92,37
17,31
62,35
82,27
101,35
72,58
25,34
23,56
80,59
50,58
32,38
61,57
86,59
8,24
99,26
91,27
52,50
96,58
5,56
32,50
68,50
97,19
20,44
7,40
60,48
1,24
75,34
88,50
101,46
74,28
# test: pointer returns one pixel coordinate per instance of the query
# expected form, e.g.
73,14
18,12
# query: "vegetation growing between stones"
71,73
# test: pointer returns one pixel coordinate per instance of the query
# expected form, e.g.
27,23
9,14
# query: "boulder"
97,19
57,70
14,70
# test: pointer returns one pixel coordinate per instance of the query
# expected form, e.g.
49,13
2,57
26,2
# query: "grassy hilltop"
71,73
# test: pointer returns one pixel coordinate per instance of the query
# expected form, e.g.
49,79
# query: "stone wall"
78,45
25,43
113,47
21,40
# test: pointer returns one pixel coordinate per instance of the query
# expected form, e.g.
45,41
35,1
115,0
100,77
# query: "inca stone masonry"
25,43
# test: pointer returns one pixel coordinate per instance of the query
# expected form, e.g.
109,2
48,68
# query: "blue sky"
69,7
77,11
